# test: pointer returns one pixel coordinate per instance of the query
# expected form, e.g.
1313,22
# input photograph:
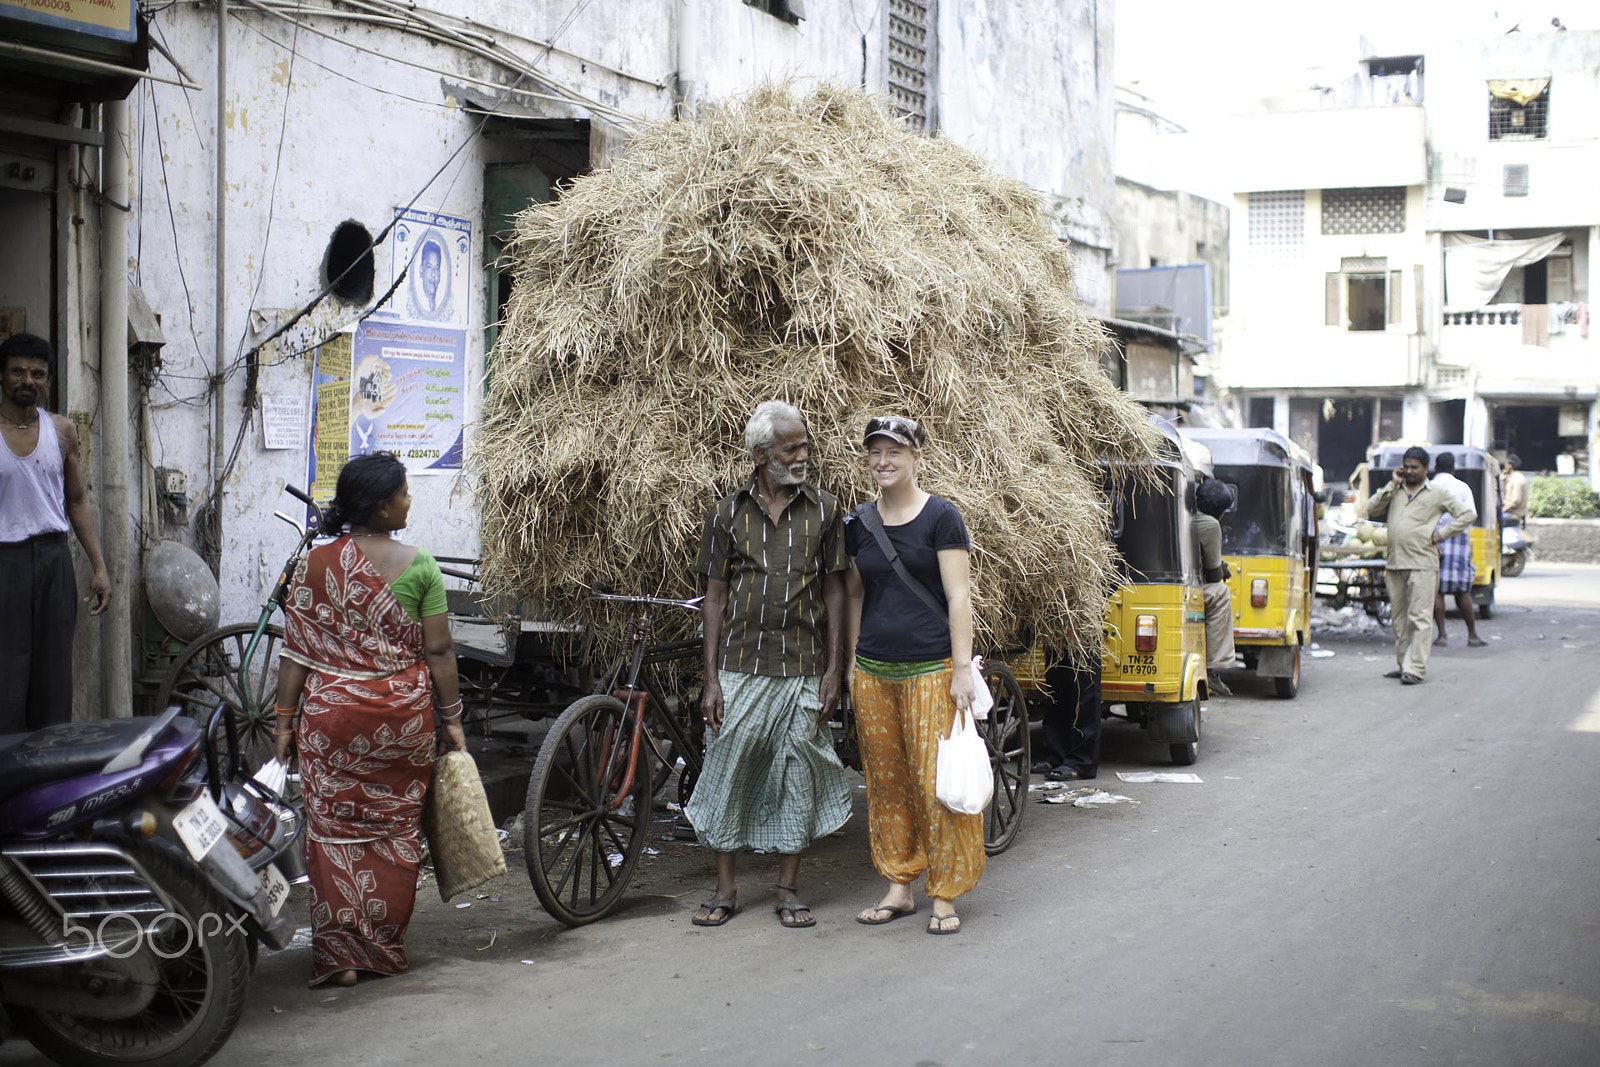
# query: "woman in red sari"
367,656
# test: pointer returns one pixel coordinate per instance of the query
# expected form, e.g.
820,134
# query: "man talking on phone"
1413,506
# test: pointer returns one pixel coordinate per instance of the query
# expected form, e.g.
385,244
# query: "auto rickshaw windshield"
1259,522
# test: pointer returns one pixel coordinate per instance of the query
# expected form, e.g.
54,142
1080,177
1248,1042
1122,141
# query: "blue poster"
407,394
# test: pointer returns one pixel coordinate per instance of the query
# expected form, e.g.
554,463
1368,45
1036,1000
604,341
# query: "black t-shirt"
896,626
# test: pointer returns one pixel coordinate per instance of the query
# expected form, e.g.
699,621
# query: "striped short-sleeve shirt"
776,621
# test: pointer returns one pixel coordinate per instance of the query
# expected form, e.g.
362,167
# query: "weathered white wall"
1175,228
347,135
1030,86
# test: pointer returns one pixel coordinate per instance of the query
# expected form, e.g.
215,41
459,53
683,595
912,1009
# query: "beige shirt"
1412,518
1516,495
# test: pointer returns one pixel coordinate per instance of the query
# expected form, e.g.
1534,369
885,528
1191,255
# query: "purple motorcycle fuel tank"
53,780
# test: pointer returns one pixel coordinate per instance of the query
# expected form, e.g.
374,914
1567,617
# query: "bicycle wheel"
206,674
588,810
1006,732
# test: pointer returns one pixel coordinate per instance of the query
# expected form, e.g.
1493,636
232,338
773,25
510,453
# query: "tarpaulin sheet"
1520,91
1474,269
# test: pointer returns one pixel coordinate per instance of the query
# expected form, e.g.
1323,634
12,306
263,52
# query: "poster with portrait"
435,251
407,393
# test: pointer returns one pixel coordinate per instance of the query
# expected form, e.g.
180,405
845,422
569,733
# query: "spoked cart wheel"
1006,733
588,809
206,674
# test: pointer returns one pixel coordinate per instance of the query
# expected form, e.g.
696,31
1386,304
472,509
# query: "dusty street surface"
1367,874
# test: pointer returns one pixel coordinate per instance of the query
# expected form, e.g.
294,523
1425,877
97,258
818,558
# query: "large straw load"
805,248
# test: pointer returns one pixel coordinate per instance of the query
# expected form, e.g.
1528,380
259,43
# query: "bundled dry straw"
810,249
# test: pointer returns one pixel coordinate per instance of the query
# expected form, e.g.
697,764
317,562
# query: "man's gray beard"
779,474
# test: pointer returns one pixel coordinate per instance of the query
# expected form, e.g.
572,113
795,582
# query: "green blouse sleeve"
420,589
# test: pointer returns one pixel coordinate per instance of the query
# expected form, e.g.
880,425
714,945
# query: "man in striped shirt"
774,560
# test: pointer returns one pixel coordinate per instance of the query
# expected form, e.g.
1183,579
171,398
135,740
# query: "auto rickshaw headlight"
1258,593
1144,633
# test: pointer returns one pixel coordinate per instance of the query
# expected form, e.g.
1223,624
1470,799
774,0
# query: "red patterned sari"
365,740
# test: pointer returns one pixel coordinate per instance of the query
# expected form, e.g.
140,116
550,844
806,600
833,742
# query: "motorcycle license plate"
200,825
276,886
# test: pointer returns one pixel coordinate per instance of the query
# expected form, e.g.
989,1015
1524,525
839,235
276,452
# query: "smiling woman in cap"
905,694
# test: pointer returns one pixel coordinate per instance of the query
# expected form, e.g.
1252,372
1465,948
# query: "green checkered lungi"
771,779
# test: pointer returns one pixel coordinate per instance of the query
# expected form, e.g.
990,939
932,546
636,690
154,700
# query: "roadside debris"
1179,777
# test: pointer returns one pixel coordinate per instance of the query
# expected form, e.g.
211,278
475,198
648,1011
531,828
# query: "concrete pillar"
116,523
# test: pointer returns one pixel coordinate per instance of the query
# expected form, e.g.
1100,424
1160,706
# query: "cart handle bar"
688,605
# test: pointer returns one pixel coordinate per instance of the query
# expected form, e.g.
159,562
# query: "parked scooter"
139,868
1515,546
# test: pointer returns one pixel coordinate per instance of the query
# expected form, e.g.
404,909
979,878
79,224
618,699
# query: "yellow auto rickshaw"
1154,662
1269,540
1481,472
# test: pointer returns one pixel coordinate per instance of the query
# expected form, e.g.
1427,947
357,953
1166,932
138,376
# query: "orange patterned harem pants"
898,725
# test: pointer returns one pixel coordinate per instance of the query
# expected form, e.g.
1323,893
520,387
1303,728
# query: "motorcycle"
139,871
1515,547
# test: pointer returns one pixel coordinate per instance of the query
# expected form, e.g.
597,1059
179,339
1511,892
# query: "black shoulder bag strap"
874,523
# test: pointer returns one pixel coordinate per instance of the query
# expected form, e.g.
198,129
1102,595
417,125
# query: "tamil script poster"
407,394
435,252
330,417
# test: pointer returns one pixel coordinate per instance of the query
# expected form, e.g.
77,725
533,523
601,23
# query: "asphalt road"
1368,874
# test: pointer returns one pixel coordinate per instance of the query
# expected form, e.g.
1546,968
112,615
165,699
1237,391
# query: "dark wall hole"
348,264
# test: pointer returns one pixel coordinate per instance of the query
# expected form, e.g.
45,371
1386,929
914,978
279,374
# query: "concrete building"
1172,262
1360,201
264,153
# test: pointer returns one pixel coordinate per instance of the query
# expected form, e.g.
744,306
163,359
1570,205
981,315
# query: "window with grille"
1364,210
1519,110
1276,229
910,61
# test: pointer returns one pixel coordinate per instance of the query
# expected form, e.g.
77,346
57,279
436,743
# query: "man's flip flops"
727,907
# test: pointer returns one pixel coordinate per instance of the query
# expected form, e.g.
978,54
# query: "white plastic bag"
963,779
273,774
982,699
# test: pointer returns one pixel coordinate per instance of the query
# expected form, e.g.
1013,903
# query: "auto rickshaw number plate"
1140,665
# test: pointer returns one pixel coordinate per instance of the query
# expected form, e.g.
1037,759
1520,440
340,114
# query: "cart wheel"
1486,609
1288,687
206,674
1006,733
587,810
1185,753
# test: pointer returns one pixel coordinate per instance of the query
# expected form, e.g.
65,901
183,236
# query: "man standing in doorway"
41,495
774,560
1413,508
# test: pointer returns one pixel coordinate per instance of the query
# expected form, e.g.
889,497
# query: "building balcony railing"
1509,316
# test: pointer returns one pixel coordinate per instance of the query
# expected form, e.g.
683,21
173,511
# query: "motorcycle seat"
68,749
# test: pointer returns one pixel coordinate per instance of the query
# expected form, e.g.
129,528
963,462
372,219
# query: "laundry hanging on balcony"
1474,269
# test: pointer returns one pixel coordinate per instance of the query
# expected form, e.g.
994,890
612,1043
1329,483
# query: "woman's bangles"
445,718
282,711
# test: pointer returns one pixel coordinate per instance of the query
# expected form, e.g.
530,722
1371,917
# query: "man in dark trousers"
41,496
1072,723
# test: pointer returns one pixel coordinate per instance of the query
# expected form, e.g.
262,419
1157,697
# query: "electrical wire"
435,104
172,219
